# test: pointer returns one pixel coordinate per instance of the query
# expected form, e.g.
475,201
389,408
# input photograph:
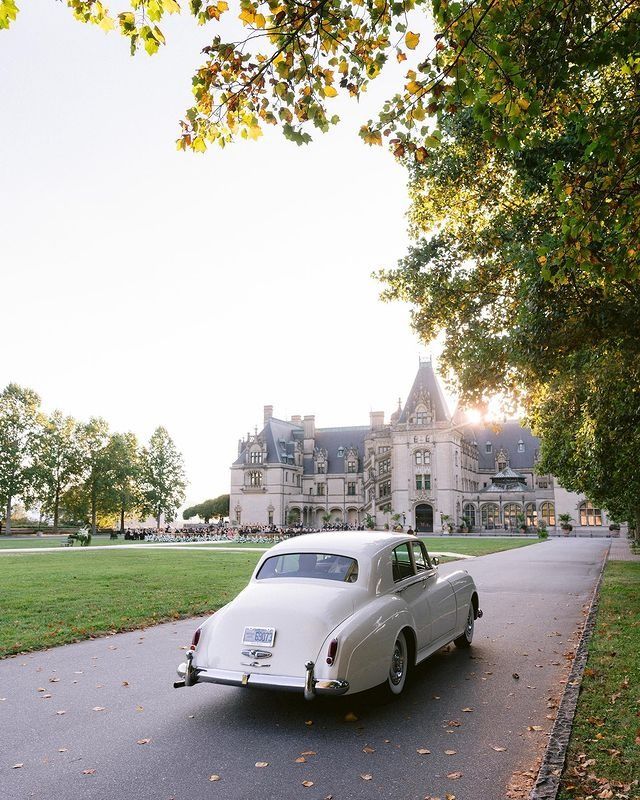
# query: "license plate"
261,636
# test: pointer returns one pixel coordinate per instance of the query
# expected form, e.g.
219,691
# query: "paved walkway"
621,550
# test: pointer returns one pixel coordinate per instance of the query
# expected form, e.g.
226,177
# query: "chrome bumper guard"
308,685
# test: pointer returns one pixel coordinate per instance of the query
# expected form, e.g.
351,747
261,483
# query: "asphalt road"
79,737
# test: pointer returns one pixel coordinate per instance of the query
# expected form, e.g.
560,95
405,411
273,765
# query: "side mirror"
435,561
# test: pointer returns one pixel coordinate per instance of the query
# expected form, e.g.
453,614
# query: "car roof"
356,544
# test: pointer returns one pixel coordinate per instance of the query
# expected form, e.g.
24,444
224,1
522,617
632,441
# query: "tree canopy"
217,507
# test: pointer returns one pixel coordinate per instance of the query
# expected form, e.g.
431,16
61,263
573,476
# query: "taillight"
195,640
331,653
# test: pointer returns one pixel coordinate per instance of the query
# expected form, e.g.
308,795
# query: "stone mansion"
425,466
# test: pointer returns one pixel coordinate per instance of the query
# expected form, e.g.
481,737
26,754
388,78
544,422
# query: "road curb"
548,781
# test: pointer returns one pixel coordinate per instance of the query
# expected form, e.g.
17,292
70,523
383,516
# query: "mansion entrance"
424,518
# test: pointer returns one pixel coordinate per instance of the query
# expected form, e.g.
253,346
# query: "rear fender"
365,644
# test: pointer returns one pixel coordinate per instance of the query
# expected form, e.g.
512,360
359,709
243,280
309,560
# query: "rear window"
325,566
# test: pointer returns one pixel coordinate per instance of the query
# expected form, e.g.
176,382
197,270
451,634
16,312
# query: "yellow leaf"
248,15
171,7
413,87
330,91
223,6
107,24
254,132
400,56
199,144
497,97
260,21
411,40
523,103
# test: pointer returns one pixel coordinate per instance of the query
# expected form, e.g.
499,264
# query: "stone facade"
425,468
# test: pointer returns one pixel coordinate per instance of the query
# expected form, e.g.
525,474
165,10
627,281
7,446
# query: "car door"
441,599
411,585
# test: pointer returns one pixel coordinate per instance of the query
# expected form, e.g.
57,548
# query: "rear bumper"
308,685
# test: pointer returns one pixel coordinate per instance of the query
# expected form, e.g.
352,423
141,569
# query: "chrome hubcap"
397,664
469,629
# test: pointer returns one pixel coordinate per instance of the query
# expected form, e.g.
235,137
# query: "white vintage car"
334,613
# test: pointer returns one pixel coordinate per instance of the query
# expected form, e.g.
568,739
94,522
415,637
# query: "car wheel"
398,667
467,637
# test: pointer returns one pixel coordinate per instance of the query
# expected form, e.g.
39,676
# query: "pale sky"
152,287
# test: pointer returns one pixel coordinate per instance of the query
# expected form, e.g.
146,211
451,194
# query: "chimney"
309,426
240,446
377,419
268,413
296,419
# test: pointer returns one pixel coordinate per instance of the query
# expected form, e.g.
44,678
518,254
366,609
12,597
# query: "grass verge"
52,599
473,547
604,751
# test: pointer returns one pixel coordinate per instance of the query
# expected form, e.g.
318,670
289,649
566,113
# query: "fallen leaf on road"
350,717
301,760
307,784
60,713
516,676
139,708
450,752
534,727
17,766
368,749
450,796
214,777
453,723
125,683
422,751
54,680
366,776
454,775
62,749
99,708
308,722
468,710
309,753
41,689
143,741
262,763
88,772
498,749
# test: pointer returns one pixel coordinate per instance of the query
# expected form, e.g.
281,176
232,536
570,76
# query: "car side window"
401,562
420,557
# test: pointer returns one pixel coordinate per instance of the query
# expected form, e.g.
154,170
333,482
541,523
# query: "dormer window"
351,466
340,452
321,468
521,446
488,447
256,457
421,417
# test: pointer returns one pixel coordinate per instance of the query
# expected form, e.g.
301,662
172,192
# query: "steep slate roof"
279,436
333,438
506,438
426,380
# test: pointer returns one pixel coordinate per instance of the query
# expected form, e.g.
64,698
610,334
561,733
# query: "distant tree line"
217,508
81,472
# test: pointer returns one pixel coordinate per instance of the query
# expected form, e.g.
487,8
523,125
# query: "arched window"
520,446
469,514
255,479
590,515
531,515
490,516
510,513
419,457
548,513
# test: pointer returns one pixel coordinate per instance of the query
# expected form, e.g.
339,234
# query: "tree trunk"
158,519
56,509
8,526
94,512
122,516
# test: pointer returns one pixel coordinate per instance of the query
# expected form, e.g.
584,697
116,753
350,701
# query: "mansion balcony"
253,489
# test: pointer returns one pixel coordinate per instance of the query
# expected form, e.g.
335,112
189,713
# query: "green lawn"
469,546
604,751
52,599
15,543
